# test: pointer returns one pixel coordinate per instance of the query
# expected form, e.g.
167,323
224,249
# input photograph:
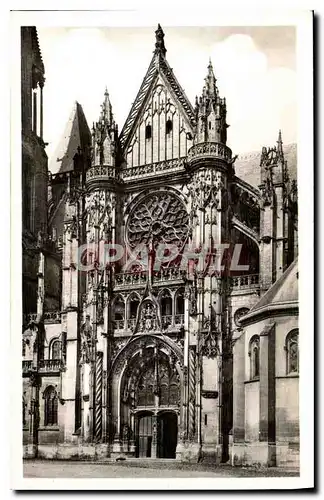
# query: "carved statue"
267,192
86,341
193,300
125,432
148,318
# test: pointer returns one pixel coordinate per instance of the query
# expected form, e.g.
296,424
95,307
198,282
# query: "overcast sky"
254,67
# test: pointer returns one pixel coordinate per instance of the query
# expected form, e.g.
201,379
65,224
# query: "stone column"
263,426
86,402
41,112
32,447
154,436
280,232
237,451
267,256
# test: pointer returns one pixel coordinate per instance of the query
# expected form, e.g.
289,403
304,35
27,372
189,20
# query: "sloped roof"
247,165
76,134
283,294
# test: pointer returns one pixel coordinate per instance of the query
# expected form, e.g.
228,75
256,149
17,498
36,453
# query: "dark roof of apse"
282,294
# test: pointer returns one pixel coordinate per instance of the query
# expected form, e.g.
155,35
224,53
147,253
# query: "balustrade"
27,366
140,278
48,317
179,319
44,365
119,324
50,365
245,281
101,171
176,320
131,323
153,168
210,149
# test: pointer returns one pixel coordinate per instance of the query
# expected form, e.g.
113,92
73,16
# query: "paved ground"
68,469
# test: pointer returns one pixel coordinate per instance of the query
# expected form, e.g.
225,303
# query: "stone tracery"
161,218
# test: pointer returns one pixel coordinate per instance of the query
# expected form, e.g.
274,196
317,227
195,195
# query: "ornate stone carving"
99,210
148,320
193,300
207,190
209,347
118,346
239,313
267,192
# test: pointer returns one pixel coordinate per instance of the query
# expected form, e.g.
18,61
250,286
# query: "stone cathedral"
160,281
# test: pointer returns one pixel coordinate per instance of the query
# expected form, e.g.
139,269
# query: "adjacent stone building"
148,353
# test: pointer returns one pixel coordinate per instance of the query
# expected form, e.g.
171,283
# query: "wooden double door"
157,435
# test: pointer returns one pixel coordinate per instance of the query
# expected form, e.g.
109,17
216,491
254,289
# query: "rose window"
159,218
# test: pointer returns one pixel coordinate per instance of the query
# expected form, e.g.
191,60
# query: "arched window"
292,353
50,406
119,309
179,302
148,132
145,391
133,306
254,353
55,349
166,303
168,389
164,384
168,126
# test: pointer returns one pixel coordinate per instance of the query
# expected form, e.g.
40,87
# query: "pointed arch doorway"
150,405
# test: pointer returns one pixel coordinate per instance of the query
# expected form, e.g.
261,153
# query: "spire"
210,111
279,147
159,41
104,135
106,115
211,89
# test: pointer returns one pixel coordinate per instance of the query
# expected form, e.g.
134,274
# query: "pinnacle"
159,41
279,142
210,82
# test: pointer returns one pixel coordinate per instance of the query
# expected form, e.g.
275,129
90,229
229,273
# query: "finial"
159,41
210,70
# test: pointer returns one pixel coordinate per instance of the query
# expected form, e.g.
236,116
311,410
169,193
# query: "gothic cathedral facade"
134,355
